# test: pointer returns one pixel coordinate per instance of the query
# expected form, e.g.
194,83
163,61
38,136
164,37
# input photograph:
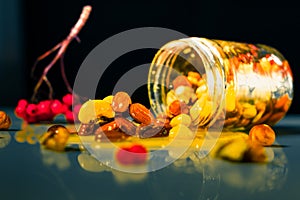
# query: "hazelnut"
5,121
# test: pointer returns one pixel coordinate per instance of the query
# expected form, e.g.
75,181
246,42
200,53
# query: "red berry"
69,116
44,107
56,107
137,148
31,110
20,111
68,99
140,153
22,103
64,108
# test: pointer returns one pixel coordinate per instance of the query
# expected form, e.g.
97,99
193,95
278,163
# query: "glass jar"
220,83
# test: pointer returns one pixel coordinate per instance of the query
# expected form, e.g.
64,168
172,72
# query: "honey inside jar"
220,83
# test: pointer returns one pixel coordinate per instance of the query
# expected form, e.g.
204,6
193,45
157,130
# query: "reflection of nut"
5,121
4,139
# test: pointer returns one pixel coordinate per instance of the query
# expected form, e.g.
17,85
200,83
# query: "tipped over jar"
220,83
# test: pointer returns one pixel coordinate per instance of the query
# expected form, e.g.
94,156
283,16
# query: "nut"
262,134
5,121
121,102
141,114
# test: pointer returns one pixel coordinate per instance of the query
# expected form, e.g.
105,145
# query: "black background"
45,23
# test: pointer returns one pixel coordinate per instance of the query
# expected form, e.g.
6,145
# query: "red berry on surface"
134,155
44,107
124,157
56,107
31,110
68,99
69,116
20,111
22,103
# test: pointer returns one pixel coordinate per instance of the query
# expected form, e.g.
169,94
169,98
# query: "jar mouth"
179,58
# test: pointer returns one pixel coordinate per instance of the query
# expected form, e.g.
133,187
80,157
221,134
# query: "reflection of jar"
243,84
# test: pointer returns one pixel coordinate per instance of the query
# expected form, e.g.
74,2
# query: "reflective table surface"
28,171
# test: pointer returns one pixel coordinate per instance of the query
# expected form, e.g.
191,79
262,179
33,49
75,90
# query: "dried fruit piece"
177,107
182,132
125,125
86,129
185,94
108,127
121,102
181,119
152,131
93,109
262,134
249,111
230,98
108,99
194,78
140,113
181,81
110,136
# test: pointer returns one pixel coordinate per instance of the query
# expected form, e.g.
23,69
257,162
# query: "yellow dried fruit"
94,109
182,119
249,112
181,132
230,98
185,93
108,99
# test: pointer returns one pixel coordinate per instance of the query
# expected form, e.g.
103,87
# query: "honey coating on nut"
5,121
262,134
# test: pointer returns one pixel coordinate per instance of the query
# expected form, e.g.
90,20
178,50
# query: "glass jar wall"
220,83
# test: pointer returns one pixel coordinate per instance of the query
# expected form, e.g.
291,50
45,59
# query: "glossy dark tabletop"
28,171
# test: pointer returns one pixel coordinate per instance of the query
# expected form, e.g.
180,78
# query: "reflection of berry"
22,103
133,155
20,111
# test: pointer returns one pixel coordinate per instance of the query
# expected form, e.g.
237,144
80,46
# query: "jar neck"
180,57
